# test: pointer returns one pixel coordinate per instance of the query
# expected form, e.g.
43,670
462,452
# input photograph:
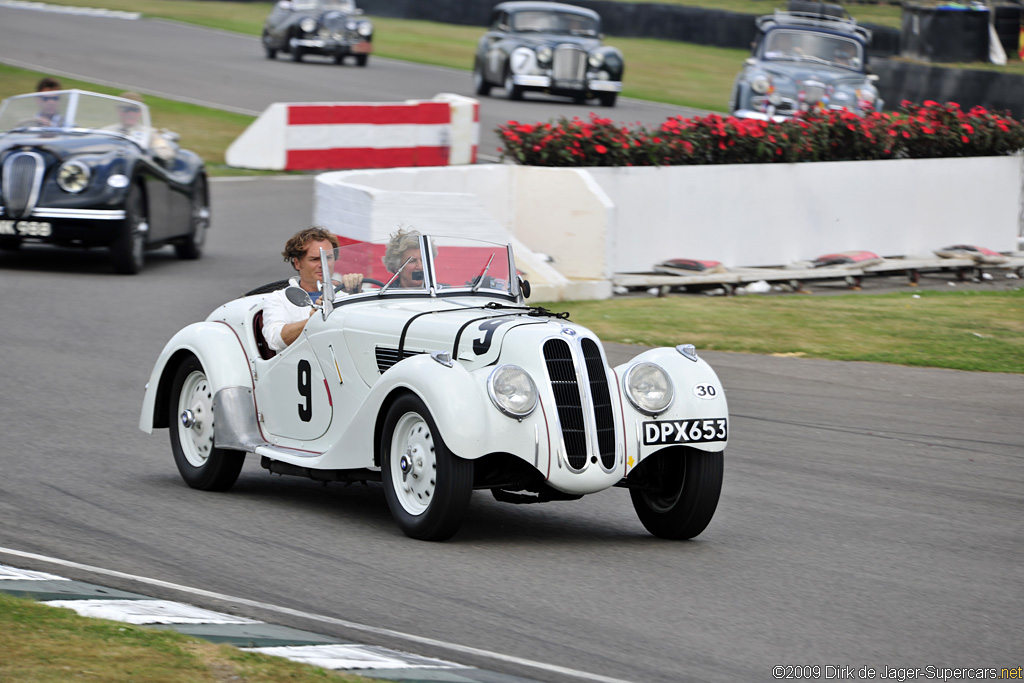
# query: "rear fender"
219,350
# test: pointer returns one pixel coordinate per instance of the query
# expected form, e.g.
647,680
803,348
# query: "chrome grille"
604,418
572,401
386,357
569,64
22,177
562,372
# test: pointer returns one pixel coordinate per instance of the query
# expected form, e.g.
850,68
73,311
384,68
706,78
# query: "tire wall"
900,81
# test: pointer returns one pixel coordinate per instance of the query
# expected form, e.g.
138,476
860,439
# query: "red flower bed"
931,130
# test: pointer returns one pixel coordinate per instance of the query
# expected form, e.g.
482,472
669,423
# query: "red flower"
600,149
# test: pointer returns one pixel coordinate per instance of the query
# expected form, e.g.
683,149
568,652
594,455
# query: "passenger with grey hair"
403,256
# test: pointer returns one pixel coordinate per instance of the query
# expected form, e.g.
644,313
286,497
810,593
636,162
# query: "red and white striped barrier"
344,135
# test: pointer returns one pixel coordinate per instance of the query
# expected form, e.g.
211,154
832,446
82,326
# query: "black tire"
297,53
192,246
339,59
607,99
271,52
201,464
512,91
128,251
427,488
362,60
480,84
684,495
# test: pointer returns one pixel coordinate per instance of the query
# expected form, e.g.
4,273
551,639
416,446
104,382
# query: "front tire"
608,98
682,493
480,84
426,486
512,91
362,60
192,246
201,464
128,251
271,52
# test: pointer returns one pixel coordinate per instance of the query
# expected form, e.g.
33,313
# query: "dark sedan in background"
331,28
73,173
547,47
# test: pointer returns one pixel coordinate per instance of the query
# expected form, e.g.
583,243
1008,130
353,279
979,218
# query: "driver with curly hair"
403,256
283,321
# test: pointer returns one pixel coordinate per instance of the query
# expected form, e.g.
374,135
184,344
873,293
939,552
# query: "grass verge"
980,331
43,644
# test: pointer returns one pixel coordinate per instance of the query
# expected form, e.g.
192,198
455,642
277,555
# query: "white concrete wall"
773,214
595,222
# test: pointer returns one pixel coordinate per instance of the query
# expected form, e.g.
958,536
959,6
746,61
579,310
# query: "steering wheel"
370,281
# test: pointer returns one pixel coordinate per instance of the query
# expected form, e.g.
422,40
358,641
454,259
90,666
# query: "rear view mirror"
298,296
524,287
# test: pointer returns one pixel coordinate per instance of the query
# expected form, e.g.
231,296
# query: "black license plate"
666,432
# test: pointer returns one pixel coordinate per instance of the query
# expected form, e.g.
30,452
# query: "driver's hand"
351,282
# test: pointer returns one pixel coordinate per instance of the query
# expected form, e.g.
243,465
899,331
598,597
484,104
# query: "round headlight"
512,390
308,24
760,84
649,388
522,60
544,55
351,25
595,59
365,29
73,176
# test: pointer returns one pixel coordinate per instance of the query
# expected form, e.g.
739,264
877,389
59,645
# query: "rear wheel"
427,488
128,251
682,495
201,464
192,246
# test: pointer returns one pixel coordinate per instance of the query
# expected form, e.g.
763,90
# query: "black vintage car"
83,169
332,28
547,47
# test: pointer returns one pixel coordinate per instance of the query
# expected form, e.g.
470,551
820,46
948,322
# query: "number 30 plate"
664,432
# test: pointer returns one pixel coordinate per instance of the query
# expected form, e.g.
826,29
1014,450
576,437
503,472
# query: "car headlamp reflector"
73,176
522,60
512,391
595,59
760,84
308,24
649,388
365,29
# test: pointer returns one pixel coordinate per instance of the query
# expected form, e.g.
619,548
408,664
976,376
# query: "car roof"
526,5
810,29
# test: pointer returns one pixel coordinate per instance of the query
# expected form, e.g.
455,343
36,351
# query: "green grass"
43,644
981,331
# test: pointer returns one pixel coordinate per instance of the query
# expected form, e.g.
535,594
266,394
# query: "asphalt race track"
229,71
871,515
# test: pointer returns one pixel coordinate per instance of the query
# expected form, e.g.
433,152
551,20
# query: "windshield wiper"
480,278
395,276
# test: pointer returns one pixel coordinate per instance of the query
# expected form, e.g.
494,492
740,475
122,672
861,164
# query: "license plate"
568,85
361,48
666,432
26,228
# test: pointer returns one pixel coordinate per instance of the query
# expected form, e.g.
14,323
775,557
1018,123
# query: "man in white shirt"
283,321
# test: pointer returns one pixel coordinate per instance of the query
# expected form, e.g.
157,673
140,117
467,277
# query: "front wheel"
362,60
681,495
191,247
480,84
608,98
271,52
512,91
426,486
127,252
202,465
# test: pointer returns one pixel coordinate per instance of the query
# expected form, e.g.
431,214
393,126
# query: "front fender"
693,381
468,421
219,350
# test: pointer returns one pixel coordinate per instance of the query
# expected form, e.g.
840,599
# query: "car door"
292,396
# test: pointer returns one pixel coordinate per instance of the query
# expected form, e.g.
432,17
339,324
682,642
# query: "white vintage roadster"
437,389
